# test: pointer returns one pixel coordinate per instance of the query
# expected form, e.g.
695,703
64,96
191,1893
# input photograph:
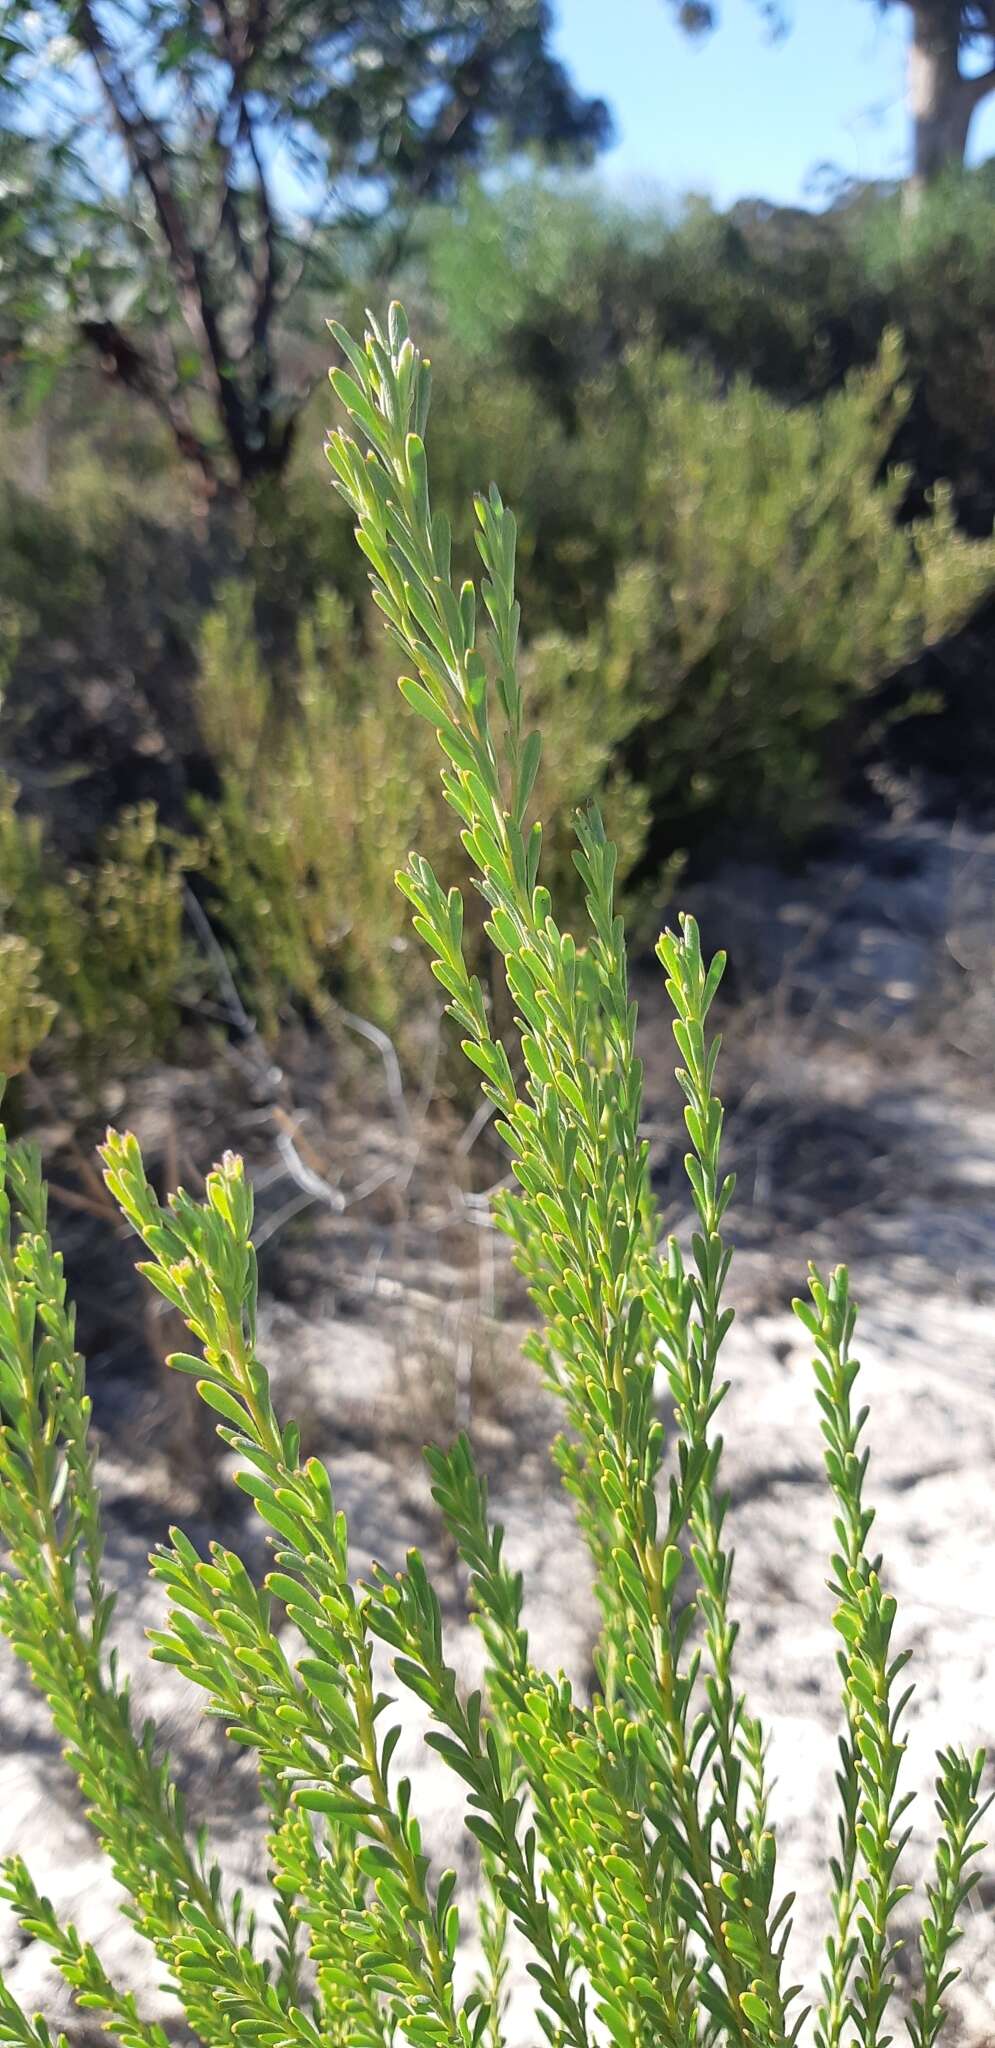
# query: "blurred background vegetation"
752,453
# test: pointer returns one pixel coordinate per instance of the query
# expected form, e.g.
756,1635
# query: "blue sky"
734,114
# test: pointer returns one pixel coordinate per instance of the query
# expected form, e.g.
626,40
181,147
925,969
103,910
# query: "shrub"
547,290
318,803
934,270
576,471
100,950
322,796
728,524
626,1838
116,941
560,279
26,1012
776,592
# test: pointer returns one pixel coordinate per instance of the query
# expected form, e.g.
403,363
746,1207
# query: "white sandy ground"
924,1272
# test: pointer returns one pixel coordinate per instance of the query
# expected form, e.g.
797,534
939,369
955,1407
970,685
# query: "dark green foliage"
934,270
557,282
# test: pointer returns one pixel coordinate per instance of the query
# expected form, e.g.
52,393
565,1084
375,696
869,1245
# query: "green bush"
935,270
732,521
775,591
558,280
576,478
625,1837
100,950
322,797
26,1012
541,293
318,804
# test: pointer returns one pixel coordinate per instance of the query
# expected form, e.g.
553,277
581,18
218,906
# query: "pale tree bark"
942,99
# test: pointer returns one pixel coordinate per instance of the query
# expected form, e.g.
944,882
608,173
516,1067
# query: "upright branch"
860,1978
203,1263
582,1220
56,1611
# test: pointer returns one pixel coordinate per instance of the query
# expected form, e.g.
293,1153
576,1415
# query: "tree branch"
239,41
150,161
977,89
121,359
267,273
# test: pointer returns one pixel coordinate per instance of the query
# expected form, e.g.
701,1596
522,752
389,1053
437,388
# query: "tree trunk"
941,99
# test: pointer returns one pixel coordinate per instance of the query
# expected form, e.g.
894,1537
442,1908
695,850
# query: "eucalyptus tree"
206,158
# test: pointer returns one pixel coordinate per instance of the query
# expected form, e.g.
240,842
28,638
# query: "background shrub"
773,590
318,805
738,559
100,950
322,797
